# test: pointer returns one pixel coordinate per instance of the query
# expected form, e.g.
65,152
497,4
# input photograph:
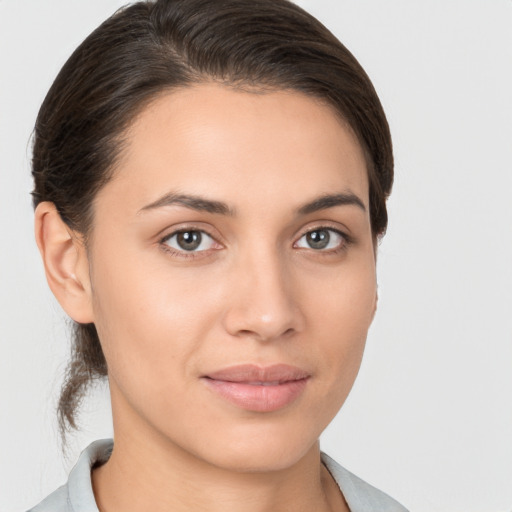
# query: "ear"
65,263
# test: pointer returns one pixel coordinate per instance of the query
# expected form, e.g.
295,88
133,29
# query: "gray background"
430,417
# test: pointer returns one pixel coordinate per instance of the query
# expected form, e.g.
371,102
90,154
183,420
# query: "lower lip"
258,398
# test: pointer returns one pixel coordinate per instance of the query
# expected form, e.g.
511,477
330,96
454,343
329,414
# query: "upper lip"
251,373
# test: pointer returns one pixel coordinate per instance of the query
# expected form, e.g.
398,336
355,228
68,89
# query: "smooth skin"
210,248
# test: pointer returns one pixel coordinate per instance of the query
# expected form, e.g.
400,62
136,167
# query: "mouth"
258,389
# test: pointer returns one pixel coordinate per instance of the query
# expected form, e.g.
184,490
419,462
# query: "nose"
263,305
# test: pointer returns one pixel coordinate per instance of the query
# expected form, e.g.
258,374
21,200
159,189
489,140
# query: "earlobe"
65,263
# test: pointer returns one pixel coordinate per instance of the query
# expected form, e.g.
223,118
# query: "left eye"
189,241
321,239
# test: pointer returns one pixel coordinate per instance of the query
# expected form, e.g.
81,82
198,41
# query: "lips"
258,389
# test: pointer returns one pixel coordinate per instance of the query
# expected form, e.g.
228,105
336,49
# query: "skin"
255,292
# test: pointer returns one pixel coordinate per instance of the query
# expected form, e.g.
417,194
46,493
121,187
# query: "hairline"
121,139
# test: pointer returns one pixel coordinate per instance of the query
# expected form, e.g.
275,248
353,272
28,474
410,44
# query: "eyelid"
347,239
162,239
175,230
192,225
326,224
186,230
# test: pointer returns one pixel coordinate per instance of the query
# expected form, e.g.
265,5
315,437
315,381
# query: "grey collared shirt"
77,494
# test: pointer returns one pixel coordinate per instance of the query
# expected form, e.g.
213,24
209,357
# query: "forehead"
210,139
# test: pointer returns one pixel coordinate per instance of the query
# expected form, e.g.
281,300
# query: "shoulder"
57,501
77,494
359,495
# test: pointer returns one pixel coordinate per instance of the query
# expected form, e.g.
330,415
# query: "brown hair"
152,46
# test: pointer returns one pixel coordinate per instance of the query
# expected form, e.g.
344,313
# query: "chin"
259,449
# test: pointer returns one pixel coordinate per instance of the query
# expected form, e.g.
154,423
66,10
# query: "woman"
210,185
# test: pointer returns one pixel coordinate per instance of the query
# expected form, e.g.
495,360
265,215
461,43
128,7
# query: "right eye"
189,240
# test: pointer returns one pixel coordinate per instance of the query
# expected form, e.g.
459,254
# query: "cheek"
150,320
344,299
340,318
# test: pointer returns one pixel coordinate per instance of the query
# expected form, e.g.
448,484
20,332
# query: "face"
232,274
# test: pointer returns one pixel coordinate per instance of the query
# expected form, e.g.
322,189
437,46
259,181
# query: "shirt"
77,494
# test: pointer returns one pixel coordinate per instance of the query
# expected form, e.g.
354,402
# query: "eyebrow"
330,201
220,208
190,201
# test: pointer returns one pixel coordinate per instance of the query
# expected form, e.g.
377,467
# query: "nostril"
261,335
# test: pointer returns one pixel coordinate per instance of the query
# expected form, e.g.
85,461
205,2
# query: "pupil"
189,240
318,239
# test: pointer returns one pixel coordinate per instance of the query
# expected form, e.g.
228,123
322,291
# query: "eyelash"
346,242
182,253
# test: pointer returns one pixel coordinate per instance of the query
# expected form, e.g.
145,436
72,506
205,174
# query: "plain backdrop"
430,418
